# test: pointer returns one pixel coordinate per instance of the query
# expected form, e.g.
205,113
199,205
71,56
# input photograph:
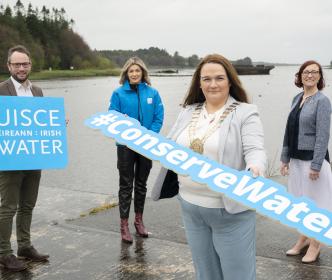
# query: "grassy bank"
61,74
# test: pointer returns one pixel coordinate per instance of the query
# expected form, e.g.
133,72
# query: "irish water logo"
32,133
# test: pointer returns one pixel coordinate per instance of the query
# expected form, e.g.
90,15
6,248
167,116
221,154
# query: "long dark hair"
298,75
195,93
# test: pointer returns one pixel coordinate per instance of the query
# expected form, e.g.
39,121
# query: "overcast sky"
288,31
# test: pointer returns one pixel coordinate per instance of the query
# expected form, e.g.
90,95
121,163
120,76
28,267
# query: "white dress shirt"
22,89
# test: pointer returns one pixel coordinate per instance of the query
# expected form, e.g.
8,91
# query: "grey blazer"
7,88
314,128
241,144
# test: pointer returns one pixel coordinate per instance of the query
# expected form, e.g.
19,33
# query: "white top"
22,89
191,191
241,144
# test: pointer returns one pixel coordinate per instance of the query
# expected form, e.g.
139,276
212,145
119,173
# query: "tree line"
49,36
53,44
152,56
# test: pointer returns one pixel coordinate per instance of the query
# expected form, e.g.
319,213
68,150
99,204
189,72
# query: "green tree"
6,17
8,38
193,60
72,45
19,8
49,36
180,61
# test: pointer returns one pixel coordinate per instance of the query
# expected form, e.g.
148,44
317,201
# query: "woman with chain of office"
218,122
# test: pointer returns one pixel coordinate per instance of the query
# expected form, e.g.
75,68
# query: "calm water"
92,156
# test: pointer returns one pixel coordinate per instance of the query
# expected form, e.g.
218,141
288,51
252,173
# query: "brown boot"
140,228
125,233
11,263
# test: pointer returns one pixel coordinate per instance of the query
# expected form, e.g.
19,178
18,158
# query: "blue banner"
32,133
266,196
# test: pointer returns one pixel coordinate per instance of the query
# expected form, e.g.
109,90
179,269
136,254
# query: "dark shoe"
32,254
140,228
125,233
12,263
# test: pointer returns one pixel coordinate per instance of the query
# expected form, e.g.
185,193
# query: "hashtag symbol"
103,120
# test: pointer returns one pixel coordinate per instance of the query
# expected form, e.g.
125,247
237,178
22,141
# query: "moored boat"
245,67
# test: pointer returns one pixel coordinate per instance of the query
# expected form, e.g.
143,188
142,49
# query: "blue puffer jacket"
144,105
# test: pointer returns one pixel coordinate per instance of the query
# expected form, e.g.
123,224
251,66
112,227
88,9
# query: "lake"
92,156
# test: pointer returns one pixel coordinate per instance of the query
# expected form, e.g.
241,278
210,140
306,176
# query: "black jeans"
134,170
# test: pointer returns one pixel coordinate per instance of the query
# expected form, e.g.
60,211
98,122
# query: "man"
18,189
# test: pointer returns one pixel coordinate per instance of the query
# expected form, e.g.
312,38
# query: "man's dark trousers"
18,192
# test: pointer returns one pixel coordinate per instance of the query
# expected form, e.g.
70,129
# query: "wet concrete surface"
90,248
273,240
79,252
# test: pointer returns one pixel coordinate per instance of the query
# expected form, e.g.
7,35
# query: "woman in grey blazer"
304,154
218,122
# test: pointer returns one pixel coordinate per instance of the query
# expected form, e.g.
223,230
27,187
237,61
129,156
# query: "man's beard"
21,81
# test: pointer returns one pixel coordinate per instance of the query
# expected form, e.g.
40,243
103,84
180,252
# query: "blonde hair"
134,61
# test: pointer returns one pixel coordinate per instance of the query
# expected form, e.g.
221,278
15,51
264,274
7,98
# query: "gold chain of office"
197,144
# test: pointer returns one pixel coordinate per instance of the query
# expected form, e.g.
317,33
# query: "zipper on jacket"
134,87
140,112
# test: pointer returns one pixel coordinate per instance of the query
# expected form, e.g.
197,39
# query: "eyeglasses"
313,73
23,64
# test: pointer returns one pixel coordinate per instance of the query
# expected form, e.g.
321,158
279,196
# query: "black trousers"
134,170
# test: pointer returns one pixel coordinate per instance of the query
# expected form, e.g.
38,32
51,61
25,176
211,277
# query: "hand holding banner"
266,196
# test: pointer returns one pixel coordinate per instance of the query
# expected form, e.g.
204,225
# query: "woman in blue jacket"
136,99
305,149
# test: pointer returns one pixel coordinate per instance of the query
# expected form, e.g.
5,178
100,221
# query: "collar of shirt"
26,87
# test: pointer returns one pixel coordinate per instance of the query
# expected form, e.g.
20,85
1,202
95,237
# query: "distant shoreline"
86,73
67,74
